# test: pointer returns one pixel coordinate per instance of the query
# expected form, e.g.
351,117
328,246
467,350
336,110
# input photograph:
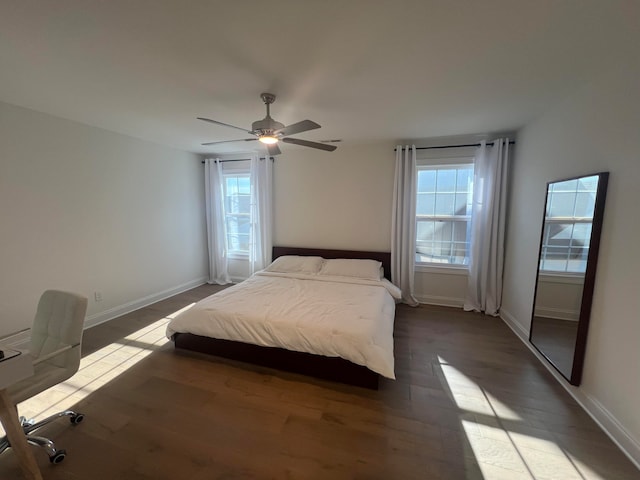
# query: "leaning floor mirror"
567,263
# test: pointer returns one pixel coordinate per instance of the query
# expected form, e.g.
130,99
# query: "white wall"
441,286
595,129
339,200
89,210
559,296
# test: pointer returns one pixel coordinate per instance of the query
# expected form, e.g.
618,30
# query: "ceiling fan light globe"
268,139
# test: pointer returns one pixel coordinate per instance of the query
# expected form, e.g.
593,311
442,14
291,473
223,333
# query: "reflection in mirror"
566,271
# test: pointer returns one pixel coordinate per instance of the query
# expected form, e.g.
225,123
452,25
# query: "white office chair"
56,338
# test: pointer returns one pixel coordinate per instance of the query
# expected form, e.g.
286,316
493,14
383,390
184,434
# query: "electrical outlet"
97,296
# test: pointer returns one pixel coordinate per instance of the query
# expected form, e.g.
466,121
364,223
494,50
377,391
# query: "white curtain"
216,225
261,241
484,292
403,223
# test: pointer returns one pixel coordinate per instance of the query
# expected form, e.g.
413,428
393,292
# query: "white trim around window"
445,269
448,207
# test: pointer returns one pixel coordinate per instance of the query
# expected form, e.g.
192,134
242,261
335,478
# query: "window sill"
238,256
442,270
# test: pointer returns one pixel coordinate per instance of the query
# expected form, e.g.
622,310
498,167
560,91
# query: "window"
237,209
567,231
443,213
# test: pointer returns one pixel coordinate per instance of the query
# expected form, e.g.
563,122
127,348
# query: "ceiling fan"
270,131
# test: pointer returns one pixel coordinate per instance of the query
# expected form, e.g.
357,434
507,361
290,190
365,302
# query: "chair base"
29,426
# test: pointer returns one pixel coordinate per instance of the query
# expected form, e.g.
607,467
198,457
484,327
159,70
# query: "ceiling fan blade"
229,141
273,149
303,126
307,143
223,124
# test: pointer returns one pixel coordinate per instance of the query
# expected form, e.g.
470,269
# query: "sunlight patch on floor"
504,445
99,368
471,397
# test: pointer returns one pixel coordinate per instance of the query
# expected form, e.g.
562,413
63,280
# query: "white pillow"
295,264
351,267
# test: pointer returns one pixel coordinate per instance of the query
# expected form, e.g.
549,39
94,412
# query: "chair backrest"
58,323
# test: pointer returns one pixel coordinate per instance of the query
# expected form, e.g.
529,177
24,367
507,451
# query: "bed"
324,313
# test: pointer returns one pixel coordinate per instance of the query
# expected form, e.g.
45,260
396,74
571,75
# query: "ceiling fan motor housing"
266,126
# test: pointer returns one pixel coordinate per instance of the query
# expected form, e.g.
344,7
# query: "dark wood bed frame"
327,368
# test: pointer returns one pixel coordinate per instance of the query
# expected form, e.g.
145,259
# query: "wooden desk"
12,370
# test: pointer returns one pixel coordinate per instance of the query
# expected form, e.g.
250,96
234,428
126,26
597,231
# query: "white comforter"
331,316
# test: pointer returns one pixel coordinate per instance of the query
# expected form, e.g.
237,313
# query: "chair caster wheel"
58,456
77,418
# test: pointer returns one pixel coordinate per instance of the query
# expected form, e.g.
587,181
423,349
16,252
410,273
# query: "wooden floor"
470,402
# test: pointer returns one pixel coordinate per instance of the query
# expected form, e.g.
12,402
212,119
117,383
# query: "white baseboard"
20,340
440,301
557,313
110,314
629,445
517,328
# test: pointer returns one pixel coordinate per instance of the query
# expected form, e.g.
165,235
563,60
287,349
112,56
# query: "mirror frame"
589,278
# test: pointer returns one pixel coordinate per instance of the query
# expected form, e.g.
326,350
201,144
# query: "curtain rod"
241,159
511,142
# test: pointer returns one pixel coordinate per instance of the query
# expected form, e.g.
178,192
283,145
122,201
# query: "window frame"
434,160
235,171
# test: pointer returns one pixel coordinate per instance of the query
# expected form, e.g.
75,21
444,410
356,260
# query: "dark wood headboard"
384,257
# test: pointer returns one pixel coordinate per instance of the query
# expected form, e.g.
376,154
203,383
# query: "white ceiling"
366,70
